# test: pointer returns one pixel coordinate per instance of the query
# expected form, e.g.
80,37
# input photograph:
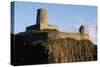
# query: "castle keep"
42,24
42,21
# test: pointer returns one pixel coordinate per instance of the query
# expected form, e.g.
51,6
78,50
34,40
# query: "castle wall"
52,27
77,36
32,27
43,26
34,36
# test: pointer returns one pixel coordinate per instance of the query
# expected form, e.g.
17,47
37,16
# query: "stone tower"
41,22
42,19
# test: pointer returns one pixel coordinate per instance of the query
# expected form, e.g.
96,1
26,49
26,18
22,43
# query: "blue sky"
68,18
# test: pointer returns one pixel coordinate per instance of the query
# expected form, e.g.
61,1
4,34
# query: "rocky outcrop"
70,50
46,51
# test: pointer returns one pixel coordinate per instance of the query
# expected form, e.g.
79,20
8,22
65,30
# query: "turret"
81,30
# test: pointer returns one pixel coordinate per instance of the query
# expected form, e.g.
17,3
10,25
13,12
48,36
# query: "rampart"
54,35
76,36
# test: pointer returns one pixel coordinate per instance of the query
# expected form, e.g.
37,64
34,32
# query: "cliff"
42,50
70,50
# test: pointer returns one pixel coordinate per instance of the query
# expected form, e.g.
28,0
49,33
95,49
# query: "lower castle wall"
77,36
53,35
52,27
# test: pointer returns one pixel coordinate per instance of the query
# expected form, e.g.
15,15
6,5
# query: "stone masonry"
42,24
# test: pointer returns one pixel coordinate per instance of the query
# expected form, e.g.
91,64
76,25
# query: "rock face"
70,50
45,50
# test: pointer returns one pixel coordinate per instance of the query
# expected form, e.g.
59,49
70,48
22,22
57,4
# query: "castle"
42,24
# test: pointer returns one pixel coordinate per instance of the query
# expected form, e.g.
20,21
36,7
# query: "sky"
67,17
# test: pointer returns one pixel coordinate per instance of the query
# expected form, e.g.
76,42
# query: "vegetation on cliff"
52,51
70,50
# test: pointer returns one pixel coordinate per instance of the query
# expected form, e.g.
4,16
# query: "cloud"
91,29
